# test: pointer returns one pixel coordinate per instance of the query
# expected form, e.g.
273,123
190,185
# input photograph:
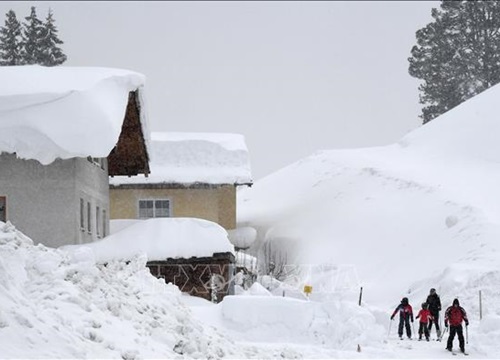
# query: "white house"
63,130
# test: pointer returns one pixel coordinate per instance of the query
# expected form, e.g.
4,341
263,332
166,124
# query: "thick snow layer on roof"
63,112
188,158
160,239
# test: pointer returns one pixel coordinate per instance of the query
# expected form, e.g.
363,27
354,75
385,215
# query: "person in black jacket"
434,305
405,315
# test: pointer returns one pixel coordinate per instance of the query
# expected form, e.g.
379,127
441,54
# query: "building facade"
211,202
48,202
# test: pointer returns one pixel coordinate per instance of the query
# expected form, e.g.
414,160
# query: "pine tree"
32,33
10,40
50,53
457,55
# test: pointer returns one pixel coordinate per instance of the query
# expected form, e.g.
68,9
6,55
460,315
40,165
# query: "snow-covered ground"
395,220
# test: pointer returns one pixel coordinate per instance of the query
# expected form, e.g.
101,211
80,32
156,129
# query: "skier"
405,315
425,316
434,303
454,315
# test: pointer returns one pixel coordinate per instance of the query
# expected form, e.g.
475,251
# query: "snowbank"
188,158
54,306
63,112
161,238
339,325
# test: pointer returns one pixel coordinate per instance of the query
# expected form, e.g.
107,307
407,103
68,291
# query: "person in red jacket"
425,316
454,316
405,315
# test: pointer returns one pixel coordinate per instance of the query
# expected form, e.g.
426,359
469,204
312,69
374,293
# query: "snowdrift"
58,304
54,305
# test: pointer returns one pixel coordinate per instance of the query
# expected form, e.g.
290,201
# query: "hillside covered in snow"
398,219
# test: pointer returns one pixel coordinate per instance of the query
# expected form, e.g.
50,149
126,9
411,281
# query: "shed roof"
195,158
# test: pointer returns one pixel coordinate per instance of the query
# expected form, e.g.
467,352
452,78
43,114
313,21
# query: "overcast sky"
292,77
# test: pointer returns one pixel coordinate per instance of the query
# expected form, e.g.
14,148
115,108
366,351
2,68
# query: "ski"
456,352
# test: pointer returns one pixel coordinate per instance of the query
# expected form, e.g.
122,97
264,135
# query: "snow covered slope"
56,305
418,214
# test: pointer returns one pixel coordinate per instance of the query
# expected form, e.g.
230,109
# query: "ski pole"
444,332
413,326
389,332
466,334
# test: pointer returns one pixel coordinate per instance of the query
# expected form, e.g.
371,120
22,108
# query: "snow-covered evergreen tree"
50,53
32,33
457,55
10,40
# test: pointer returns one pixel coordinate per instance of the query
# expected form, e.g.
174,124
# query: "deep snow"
187,158
62,112
159,239
396,220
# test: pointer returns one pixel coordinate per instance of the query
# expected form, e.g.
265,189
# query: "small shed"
193,254
209,277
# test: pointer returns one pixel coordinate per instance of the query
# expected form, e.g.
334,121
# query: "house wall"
92,185
43,202
214,203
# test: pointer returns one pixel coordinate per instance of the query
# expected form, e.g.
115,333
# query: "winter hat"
455,302
404,301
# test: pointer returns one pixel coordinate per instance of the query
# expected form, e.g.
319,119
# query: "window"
104,228
96,161
89,223
154,208
97,218
82,214
3,208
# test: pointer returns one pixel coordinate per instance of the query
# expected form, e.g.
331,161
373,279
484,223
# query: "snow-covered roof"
63,112
187,158
160,239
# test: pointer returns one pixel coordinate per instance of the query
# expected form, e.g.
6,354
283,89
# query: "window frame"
154,200
99,162
104,222
82,214
89,218
97,220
